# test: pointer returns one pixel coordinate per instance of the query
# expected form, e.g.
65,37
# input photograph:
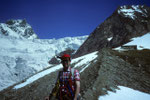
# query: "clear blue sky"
62,18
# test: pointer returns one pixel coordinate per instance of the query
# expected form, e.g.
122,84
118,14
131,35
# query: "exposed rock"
112,69
125,23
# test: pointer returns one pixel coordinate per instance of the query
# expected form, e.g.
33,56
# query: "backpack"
57,93
68,86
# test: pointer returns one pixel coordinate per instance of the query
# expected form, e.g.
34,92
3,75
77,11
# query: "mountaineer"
67,86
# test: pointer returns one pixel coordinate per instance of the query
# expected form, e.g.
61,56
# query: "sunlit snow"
125,93
84,60
130,12
37,76
142,42
21,58
17,28
109,39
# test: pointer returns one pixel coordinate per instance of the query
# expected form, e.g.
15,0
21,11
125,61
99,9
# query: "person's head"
65,60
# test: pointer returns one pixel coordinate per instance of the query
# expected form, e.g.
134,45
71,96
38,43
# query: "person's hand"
46,98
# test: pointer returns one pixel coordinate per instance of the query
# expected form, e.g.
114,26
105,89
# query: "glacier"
20,57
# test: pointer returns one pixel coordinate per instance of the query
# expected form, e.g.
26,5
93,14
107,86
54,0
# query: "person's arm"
77,90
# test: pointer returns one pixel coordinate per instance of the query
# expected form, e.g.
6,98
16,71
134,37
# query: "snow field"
21,58
125,93
84,59
142,42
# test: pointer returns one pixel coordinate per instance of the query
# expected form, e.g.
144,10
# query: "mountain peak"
125,23
16,22
131,11
17,28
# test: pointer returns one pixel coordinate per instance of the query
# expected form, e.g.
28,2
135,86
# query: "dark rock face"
121,26
28,32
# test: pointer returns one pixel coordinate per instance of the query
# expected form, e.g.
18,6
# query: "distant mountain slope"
21,57
18,29
125,23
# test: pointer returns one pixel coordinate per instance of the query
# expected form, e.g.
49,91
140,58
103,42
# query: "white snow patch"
130,12
142,42
86,59
125,93
8,30
37,76
109,39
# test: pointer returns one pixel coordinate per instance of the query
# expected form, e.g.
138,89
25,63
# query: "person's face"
65,63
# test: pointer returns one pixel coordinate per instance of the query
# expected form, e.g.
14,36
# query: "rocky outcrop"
125,23
115,68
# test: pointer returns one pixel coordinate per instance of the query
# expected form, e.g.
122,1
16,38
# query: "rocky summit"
125,23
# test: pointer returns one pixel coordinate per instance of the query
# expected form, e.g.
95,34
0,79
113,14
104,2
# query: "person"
67,86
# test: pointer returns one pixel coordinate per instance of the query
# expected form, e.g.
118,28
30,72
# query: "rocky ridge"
125,23
114,68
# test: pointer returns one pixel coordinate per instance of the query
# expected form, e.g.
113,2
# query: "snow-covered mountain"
83,62
106,70
17,28
102,69
22,55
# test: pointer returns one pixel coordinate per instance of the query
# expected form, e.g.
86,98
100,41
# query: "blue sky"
62,18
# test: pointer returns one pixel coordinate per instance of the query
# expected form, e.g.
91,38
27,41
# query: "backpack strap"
72,72
55,90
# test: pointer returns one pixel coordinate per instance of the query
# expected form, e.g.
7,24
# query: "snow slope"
21,58
125,93
86,59
142,42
